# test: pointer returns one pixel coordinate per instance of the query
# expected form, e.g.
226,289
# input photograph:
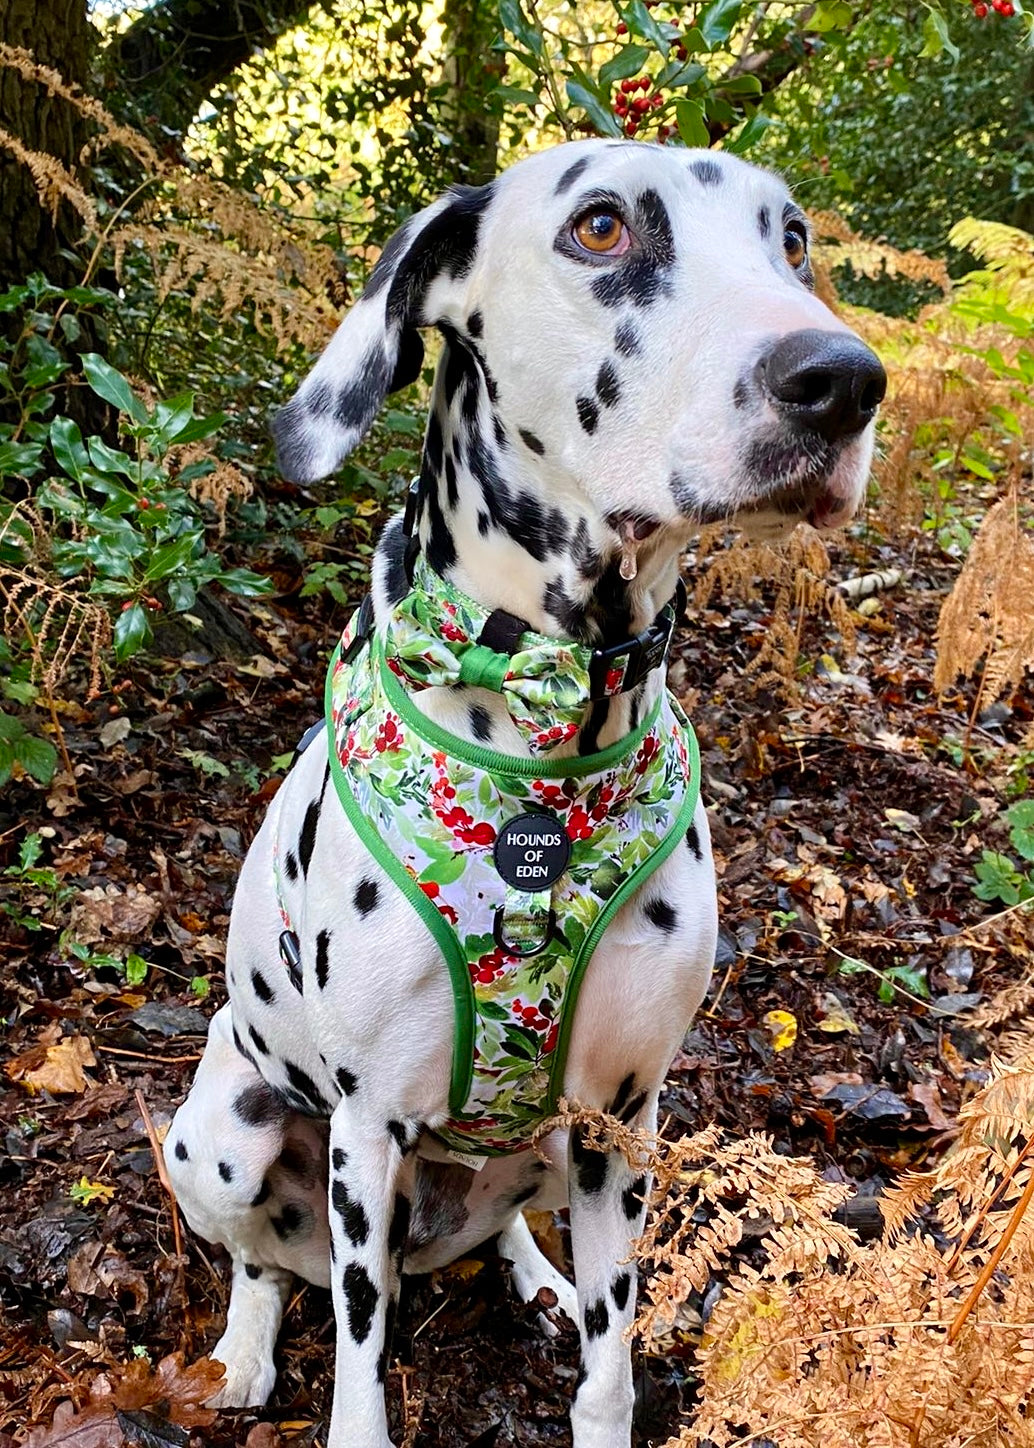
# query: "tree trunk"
472,70
32,237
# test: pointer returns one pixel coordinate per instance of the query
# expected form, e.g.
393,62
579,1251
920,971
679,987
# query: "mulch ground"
845,825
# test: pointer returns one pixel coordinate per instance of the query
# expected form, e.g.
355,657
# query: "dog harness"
515,864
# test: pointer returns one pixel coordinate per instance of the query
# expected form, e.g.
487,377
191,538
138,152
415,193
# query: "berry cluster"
1005,8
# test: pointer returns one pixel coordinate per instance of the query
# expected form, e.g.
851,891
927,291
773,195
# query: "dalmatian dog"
631,348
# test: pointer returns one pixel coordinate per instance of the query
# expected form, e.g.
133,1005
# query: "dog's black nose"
825,382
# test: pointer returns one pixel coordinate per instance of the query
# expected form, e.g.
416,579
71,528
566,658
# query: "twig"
985,1207
163,1176
155,1060
993,1261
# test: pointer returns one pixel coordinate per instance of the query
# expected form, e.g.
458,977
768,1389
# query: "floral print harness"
515,864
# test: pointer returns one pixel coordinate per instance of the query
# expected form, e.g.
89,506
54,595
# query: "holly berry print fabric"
430,806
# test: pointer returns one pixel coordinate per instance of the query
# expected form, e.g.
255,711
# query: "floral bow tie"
432,639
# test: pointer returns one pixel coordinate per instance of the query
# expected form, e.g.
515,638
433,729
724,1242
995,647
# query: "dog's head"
644,321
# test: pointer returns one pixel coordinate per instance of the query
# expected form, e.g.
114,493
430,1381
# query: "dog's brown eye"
601,232
795,245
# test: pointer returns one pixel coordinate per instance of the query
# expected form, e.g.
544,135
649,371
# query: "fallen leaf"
115,731
86,1191
902,820
463,1270
927,1095
104,913
835,1015
100,1271
823,1083
57,1069
782,1027
870,1102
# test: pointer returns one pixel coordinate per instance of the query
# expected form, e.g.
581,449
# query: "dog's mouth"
799,480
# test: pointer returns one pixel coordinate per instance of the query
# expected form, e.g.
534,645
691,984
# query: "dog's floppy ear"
377,347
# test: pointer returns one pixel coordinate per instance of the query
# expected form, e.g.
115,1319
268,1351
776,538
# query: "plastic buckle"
645,652
363,629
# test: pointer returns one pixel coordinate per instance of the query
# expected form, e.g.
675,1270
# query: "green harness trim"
429,806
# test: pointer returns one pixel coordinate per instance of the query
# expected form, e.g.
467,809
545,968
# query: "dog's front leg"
607,1209
371,1187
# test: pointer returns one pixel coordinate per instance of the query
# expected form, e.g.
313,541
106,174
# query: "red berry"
631,126
656,101
628,85
644,82
1008,10
143,502
641,105
622,28
980,10
681,52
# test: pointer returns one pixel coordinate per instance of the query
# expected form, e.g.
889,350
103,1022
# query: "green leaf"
200,427
181,594
244,583
628,61
200,986
171,417
749,134
1020,818
513,95
716,21
997,878
29,851
689,117
517,23
37,757
490,1011
170,557
69,448
937,38
602,118
136,969
20,459
830,15
741,85
132,631
112,386
109,460
641,22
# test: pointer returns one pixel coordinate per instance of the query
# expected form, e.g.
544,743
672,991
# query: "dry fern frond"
988,614
797,572
838,245
925,1337
59,625
54,182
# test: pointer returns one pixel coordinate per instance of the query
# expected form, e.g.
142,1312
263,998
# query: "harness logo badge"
532,851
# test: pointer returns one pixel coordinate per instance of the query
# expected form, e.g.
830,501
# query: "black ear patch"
410,360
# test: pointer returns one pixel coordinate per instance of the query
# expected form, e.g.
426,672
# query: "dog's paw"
249,1377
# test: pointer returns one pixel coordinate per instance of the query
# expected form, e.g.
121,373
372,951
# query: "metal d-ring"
508,949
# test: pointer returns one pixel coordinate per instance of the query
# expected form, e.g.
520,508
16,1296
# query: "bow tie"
435,637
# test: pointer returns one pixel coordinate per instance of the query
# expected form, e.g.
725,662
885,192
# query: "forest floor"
846,826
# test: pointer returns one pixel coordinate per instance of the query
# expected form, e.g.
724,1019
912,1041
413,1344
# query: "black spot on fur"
291,865
322,957
307,838
524,1195
484,524
633,1107
619,1290
346,1080
571,175
693,841
258,1041
362,1298
608,388
293,1219
632,1198
661,914
480,722
568,614
259,1105
708,173
434,445
690,505
400,1134
338,1158
499,430
398,1230
262,988
588,414
591,1166
441,549
306,1087
588,560
531,441
352,1213
475,324
392,550
740,394
452,491
764,222
253,1270
262,1195
226,1171
180,1149
597,1318
627,339
366,896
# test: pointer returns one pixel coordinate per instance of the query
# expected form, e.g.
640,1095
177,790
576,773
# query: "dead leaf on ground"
57,1069
170,1394
100,1271
106,912
927,1095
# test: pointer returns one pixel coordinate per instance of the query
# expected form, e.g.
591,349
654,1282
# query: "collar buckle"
643,653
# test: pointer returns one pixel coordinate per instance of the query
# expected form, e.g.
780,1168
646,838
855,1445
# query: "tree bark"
178,51
472,70
32,237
